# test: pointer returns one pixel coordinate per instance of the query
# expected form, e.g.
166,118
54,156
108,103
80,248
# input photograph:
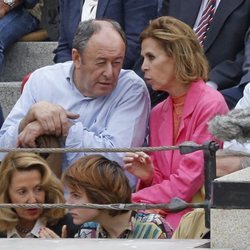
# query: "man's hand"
140,165
53,118
27,138
4,9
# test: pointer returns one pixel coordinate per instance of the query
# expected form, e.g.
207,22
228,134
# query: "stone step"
9,94
21,59
25,57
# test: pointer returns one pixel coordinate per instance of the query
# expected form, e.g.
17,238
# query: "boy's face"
80,215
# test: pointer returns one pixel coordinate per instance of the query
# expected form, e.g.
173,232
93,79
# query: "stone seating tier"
21,59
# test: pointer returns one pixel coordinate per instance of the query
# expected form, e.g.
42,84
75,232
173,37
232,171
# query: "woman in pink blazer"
174,62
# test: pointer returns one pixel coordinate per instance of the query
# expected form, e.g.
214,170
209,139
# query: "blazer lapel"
225,8
191,100
166,131
101,7
188,13
81,5
167,124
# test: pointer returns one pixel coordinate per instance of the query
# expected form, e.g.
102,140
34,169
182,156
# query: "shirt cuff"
74,138
212,84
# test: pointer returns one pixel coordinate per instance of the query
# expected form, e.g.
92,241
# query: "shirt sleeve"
9,130
243,103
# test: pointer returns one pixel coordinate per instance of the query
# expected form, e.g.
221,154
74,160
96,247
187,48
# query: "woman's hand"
140,165
47,233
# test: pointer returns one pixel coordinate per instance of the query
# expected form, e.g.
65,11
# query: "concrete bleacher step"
25,57
9,94
21,59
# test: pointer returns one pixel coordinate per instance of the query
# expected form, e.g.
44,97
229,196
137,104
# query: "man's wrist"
22,125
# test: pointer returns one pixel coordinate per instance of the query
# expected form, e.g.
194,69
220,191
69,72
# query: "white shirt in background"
202,8
243,103
89,10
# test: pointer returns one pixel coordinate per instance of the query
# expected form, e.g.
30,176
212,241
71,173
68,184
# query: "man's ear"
76,57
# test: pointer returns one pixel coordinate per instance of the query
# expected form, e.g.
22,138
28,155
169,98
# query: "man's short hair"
87,29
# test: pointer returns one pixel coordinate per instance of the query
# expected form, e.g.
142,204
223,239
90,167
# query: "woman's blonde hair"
23,161
180,43
103,181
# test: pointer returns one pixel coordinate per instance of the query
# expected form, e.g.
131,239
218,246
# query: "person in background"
96,179
236,146
174,62
159,5
27,179
133,16
225,61
50,19
85,102
17,18
234,94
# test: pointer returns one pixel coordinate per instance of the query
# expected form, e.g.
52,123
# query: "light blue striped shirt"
119,119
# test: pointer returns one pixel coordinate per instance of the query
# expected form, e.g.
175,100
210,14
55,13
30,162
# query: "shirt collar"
70,80
69,74
33,234
102,233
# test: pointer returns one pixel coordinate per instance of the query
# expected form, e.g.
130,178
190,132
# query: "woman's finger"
64,231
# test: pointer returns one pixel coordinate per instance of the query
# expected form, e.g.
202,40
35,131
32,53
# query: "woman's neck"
25,226
115,225
179,90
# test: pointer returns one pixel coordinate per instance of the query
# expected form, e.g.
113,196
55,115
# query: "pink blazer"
177,175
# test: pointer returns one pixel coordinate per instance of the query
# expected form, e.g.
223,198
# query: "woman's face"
25,187
79,215
158,68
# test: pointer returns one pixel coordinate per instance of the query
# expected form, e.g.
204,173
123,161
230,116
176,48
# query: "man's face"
97,69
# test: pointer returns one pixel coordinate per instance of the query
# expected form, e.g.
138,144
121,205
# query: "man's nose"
108,70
